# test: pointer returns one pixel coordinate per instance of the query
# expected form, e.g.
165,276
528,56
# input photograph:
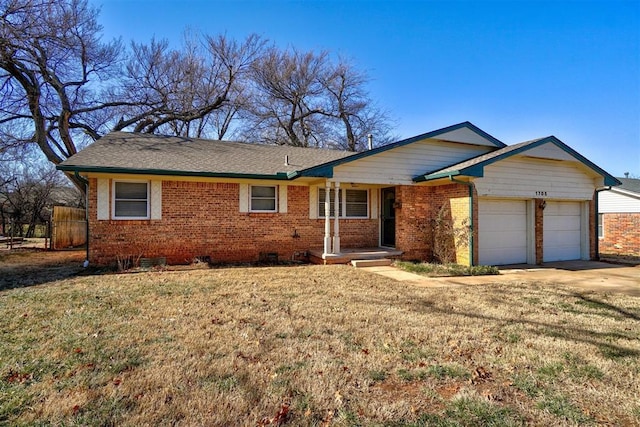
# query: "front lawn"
313,345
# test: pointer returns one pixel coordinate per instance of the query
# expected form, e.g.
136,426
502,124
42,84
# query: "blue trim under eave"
325,170
477,170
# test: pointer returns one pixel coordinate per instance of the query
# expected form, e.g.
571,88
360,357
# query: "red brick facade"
203,219
621,234
417,207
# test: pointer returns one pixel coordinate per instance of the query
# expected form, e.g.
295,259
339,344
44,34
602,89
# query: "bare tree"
288,98
195,91
355,113
51,62
61,87
304,99
28,199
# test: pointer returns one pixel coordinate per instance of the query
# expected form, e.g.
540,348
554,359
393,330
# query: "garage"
562,231
502,231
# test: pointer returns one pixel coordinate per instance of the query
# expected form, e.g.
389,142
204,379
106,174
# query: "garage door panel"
504,225
502,207
502,231
562,231
562,223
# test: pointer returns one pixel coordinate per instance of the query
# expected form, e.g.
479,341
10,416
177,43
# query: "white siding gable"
549,151
614,202
399,165
466,136
527,177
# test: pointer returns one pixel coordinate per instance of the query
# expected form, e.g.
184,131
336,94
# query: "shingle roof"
146,153
630,184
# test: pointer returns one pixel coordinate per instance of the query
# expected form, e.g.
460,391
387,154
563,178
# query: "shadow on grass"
25,268
601,305
600,340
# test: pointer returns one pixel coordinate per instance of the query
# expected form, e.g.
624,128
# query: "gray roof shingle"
630,184
137,152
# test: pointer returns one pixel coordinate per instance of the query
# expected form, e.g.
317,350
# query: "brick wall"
418,206
203,219
539,229
621,234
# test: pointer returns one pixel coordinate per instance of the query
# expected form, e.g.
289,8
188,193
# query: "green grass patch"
378,376
468,412
551,370
560,406
446,270
448,371
528,384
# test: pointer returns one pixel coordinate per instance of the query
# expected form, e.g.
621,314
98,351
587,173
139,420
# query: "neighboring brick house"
619,219
183,198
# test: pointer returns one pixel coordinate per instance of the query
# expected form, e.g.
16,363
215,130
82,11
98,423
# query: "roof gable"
467,133
549,147
464,133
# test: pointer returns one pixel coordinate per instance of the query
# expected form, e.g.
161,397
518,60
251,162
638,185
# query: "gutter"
471,239
86,207
597,239
282,176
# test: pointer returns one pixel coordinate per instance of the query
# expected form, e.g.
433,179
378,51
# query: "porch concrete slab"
317,256
360,263
584,275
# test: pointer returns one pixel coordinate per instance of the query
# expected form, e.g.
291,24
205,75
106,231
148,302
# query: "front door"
389,217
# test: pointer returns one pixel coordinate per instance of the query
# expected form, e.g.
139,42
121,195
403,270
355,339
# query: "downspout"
597,239
471,239
86,207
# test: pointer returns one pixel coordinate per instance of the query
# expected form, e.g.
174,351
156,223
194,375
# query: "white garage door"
502,232
561,231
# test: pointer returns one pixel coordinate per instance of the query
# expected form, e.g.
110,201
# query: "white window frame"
114,200
275,197
342,208
600,226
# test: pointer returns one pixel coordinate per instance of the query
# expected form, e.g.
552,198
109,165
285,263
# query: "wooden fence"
69,227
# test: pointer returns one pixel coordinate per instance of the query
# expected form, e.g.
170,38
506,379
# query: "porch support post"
336,220
327,218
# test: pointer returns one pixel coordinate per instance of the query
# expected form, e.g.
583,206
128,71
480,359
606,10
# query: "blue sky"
517,69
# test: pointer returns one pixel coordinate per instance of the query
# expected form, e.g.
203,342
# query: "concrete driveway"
585,275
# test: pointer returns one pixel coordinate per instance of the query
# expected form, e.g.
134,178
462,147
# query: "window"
352,203
356,203
130,200
600,226
263,198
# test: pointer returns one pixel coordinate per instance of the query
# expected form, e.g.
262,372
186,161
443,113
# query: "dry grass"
316,345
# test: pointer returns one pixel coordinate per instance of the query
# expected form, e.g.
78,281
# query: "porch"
345,256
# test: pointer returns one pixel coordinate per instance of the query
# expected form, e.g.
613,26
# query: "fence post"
11,224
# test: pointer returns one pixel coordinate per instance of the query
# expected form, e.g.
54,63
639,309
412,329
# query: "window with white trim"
264,198
131,199
352,203
600,226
